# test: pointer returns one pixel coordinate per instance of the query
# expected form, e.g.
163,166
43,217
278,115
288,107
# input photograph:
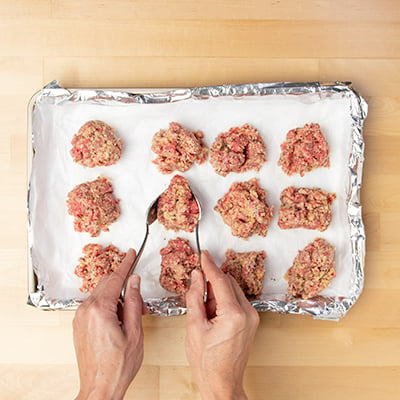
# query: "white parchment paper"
56,247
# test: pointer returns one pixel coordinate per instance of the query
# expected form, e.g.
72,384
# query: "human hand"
219,332
108,336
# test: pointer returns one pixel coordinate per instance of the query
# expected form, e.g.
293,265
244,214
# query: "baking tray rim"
331,311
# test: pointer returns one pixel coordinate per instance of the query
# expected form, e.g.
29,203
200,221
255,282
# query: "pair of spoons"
151,217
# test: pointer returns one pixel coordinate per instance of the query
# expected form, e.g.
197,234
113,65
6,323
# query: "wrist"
208,392
99,394
223,396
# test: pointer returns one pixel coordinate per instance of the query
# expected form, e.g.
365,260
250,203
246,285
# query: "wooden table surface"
157,43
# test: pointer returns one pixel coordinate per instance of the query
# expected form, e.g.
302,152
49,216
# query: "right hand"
219,333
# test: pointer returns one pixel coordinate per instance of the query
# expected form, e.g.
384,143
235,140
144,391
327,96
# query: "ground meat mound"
178,148
245,209
177,207
305,149
305,208
96,263
93,206
238,150
96,144
248,270
312,269
178,260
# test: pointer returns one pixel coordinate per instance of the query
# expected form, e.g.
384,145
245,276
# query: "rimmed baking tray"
55,113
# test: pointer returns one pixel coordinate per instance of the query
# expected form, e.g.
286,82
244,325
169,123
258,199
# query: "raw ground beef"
96,263
245,209
93,206
248,270
96,144
312,269
305,208
178,148
238,150
178,260
177,208
305,149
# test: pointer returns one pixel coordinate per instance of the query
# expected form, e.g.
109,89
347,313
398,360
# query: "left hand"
108,336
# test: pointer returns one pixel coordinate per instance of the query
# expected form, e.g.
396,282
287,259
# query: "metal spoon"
151,216
198,247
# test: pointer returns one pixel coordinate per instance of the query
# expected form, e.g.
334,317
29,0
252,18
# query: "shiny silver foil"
325,308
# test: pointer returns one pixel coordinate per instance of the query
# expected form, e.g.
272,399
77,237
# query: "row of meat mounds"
243,208
239,149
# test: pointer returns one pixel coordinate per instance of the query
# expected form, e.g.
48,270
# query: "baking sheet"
273,109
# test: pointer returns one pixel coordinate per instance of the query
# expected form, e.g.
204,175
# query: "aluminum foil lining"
327,308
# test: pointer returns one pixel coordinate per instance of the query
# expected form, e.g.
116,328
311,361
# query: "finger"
221,285
110,286
195,299
133,306
240,296
125,265
251,312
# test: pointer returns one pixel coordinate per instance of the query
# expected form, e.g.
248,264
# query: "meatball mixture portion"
93,206
312,269
96,144
245,210
304,150
238,150
248,270
178,260
308,208
177,148
177,207
97,262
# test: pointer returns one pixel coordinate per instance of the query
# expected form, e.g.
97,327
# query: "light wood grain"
156,43
205,38
188,71
216,9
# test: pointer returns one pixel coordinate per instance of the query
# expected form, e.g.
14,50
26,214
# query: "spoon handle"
199,253
134,264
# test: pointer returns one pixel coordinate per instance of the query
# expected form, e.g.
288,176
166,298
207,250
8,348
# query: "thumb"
133,305
195,299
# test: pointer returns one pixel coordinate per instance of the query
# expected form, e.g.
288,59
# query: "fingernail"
195,275
205,253
135,281
192,278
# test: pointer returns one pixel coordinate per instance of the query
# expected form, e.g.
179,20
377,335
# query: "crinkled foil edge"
324,308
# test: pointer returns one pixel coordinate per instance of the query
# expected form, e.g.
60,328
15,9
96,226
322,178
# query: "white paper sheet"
56,247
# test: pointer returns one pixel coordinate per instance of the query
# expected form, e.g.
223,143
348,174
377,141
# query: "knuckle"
87,311
238,318
254,317
80,316
80,311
